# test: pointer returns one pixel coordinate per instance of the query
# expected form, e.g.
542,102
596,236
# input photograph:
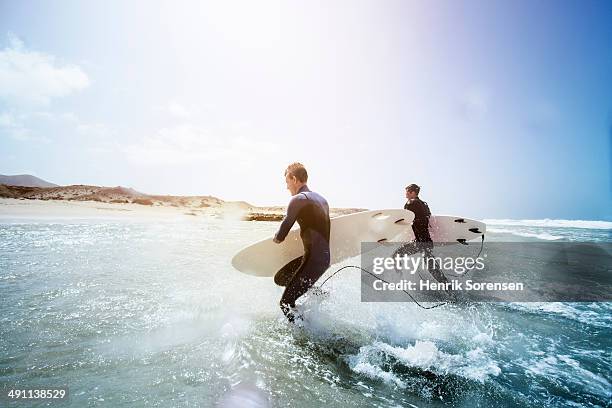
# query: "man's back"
314,221
311,211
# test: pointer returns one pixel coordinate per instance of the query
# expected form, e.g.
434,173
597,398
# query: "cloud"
96,130
178,110
187,144
66,117
6,119
12,126
23,125
35,78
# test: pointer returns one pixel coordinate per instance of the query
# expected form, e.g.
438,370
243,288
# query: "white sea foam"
552,223
594,314
543,235
382,331
360,365
473,364
567,370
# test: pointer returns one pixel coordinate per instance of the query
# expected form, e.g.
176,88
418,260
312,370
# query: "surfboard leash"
409,295
477,256
371,274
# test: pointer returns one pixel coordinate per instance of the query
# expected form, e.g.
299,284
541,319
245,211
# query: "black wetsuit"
311,211
420,225
422,240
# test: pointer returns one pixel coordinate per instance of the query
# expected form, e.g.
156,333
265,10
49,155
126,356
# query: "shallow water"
152,313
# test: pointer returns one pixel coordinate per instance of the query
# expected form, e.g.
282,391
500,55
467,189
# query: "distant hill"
25,180
125,195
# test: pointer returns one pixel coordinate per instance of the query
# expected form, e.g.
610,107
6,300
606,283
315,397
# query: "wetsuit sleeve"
427,210
292,212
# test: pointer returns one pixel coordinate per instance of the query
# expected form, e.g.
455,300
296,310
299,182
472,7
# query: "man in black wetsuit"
311,211
420,227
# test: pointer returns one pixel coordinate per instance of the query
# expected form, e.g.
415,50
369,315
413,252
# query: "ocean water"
152,314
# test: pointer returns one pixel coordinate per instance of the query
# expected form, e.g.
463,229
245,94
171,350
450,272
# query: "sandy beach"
11,208
20,208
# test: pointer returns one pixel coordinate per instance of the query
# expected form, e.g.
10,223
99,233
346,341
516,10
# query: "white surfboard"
449,229
265,258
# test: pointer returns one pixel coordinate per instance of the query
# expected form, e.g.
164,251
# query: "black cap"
413,187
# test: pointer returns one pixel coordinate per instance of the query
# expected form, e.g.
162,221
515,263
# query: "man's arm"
292,212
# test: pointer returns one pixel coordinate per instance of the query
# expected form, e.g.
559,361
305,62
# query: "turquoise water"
152,314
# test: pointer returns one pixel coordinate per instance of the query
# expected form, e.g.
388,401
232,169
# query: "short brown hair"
298,171
413,187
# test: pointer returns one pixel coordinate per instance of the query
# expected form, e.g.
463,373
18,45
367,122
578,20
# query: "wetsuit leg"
407,249
309,272
410,248
425,248
432,266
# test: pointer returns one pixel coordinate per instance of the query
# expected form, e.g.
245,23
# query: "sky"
498,109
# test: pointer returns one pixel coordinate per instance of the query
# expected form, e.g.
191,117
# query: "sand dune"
86,200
